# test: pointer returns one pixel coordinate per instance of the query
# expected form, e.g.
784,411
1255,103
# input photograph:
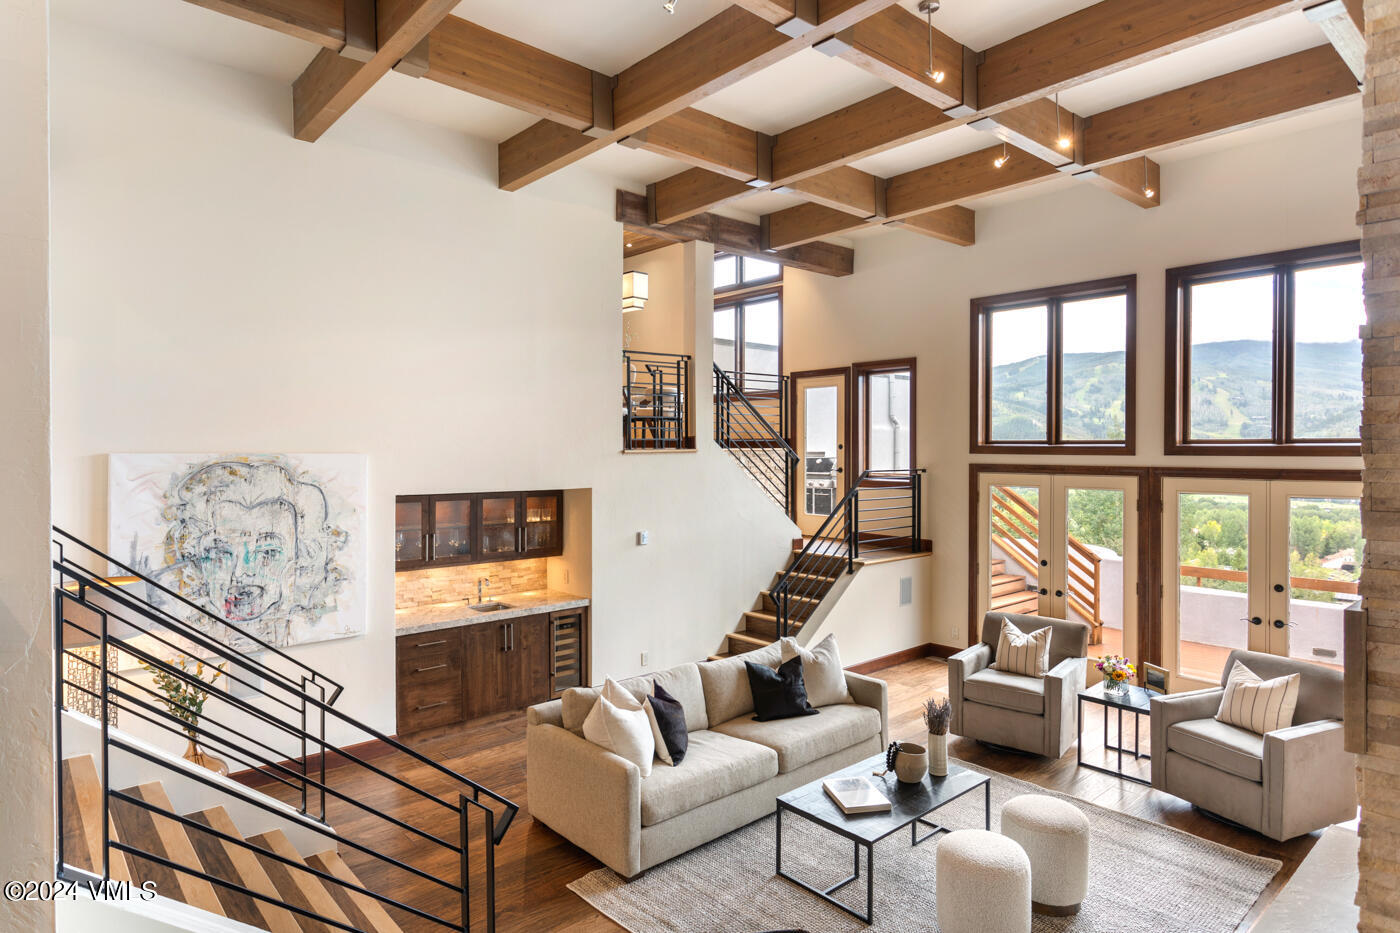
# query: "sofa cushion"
780,694
715,766
805,739
1222,746
1021,652
822,673
682,682
1259,705
1015,692
726,683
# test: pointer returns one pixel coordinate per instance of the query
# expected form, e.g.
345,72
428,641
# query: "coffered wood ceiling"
660,102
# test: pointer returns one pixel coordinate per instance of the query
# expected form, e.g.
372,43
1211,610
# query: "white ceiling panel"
605,35
799,88
634,167
1338,112
766,202
949,144
1273,39
980,24
438,104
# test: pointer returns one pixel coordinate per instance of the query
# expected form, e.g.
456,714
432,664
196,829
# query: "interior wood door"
820,435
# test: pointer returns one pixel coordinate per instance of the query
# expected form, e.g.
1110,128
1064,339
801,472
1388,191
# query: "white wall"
26,658
221,286
910,297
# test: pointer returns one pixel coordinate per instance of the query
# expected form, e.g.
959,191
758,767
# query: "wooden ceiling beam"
805,223
1042,128
956,225
1108,37
539,150
888,119
320,22
708,142
973,175
790,17
332,83
844,189
1292,84
736,236
691,192
894,45
1344,25
1138,181
474,59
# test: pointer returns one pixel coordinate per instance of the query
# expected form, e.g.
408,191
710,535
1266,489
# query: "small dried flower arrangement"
937,715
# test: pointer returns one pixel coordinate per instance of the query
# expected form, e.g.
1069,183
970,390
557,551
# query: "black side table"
1137,701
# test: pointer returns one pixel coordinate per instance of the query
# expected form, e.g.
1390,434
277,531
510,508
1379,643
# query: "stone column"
26,658
1379,186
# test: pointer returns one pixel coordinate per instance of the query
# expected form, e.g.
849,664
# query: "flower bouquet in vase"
1117,671
937,715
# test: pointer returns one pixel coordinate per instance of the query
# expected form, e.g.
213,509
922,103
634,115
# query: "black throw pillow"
779,694
670,717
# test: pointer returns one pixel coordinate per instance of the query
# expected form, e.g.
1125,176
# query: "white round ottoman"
1055,836
983,883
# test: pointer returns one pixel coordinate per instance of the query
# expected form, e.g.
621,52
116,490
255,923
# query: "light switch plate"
643,538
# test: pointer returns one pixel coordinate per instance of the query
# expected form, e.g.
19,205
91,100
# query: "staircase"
1015,529
751,422
130,809
878,517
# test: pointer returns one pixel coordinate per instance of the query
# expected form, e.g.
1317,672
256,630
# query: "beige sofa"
734,768
1283,784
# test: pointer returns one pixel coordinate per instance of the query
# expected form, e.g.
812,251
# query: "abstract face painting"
270,545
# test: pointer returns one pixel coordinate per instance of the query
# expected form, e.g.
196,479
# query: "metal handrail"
756,445
129,614
666,382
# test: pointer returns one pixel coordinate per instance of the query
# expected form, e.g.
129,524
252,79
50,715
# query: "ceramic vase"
938,755
911,764
195,754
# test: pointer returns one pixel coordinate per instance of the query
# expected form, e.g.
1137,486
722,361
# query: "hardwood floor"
534,864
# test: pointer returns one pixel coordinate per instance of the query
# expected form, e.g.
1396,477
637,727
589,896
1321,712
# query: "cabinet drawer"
427,713
433,698
430,648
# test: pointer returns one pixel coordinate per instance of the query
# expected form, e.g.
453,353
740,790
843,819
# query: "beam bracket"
361,30
415,63
602,106
806,15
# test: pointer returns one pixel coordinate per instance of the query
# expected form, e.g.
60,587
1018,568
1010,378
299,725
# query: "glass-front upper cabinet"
410,532
452,528
544,524
500,526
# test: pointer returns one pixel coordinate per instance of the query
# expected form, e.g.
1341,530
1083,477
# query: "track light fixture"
928,7
669,6
1147,190
1002,159
1061,139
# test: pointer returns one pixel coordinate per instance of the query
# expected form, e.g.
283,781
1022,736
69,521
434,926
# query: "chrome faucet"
479,582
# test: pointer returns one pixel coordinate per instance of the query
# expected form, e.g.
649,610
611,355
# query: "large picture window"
1053,369
1265,354
885,404
748,341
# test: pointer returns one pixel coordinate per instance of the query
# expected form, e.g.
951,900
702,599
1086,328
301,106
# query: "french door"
820,429
1065,547
1267,565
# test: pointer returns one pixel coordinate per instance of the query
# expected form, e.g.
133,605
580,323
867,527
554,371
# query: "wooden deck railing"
1016,530
1317,584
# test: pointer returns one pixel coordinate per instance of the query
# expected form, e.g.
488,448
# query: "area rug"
1143,876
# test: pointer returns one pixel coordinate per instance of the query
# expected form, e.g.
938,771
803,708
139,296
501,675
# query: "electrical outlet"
906,590
644,659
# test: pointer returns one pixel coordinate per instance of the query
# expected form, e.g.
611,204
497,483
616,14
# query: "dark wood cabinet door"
411,532
485,672
543,534
529,657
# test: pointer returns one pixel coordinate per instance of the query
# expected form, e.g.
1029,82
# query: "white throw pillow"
821,671
618,724
1020,653
1258,705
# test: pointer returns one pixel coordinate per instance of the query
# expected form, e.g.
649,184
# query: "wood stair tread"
1029,597
236,863
750,640
297,887
365,912
82,820
162,836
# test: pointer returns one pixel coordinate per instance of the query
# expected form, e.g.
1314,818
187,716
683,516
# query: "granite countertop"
450,615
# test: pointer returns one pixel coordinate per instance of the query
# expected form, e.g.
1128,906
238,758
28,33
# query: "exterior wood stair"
1009,592
205,852
760,625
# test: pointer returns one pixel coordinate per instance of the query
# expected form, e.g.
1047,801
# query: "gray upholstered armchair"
1282,784
1033,714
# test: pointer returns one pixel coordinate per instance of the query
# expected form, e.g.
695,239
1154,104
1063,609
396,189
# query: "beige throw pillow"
1258,705
1020,653
619,724
821,671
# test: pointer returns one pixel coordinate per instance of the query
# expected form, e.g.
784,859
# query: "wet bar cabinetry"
470,527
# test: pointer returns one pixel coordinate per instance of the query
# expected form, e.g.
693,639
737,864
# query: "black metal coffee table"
909,805
1136,701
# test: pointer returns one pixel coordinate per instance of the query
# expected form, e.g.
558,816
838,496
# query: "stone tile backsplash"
432,585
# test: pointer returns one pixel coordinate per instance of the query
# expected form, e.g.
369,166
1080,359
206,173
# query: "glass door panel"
821,434
1016,564
1324,551
452,529
1098,562
499,525
542,527
410,535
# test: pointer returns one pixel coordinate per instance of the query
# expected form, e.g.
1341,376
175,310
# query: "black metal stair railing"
880,512
655,389
269,716
751,422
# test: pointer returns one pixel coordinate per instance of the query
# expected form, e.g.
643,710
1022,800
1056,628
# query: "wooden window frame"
739,297
1053,298
740,285
858,406
1177,387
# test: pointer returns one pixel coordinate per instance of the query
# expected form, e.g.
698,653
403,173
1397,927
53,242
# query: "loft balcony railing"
655,389
269,715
